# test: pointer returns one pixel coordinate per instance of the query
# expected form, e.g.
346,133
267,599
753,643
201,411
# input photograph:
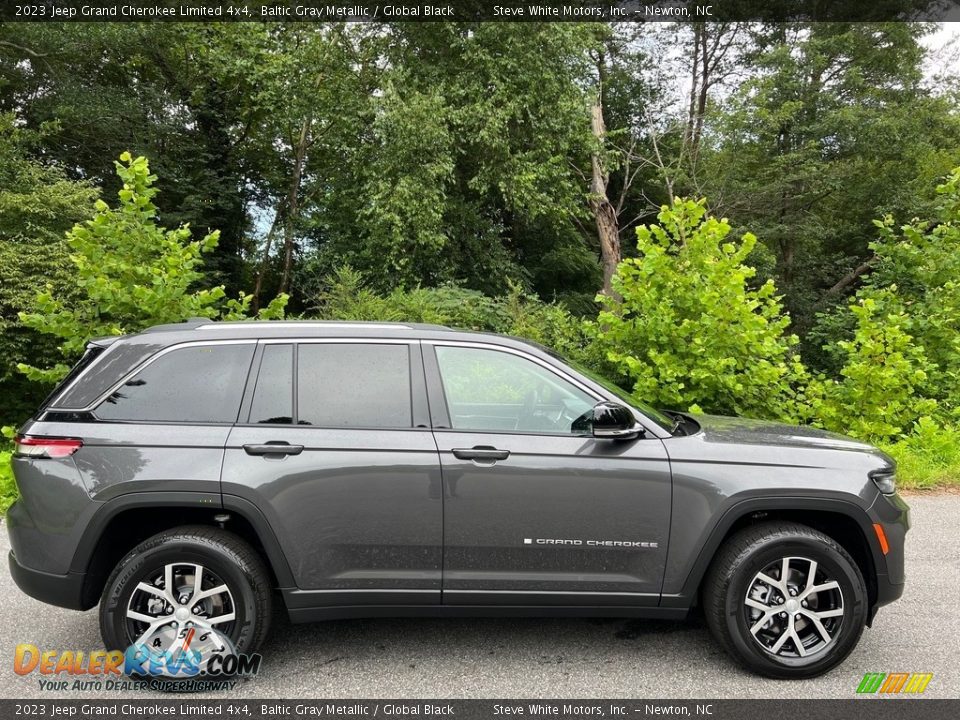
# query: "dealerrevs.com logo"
894,683
197,662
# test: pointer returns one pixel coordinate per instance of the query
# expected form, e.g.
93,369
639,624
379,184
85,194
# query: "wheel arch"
125,521
845,522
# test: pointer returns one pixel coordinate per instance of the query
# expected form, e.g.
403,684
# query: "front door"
535,514
334,447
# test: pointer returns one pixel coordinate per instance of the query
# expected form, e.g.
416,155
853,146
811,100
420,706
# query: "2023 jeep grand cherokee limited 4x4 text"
179,474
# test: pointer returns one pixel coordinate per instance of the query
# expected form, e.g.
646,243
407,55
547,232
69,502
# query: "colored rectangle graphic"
894,683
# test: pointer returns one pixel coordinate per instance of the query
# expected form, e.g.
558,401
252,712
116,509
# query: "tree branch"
851,277
21,48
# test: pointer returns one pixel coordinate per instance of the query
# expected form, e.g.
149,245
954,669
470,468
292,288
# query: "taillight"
45,447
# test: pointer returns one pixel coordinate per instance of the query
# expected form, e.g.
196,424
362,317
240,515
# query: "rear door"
334,446
164,427
536,514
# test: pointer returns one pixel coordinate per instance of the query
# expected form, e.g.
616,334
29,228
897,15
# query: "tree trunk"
694,81
702,91
265,261
293,203
608,226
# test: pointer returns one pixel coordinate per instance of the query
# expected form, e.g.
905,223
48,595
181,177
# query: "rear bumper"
61,590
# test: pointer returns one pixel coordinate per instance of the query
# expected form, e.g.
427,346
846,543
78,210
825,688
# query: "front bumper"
893,514
61,590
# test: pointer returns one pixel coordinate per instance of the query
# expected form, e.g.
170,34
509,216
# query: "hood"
720,429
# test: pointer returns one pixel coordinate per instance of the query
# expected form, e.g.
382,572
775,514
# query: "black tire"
734,573
229,558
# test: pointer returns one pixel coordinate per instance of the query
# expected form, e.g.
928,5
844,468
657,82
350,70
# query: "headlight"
885,480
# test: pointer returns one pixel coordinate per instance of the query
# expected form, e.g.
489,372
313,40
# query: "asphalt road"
574,658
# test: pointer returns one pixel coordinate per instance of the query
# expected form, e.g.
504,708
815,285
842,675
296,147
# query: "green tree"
347,296
690,330
881,390
903,360
467,167
38,204
916,271
129,273
832,127
159,89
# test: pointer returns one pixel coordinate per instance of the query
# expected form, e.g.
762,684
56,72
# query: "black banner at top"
306,11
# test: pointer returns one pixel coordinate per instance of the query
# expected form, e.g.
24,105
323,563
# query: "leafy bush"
8,489
38,204
903,361
129,273
689,330
347,297
918,270
880,393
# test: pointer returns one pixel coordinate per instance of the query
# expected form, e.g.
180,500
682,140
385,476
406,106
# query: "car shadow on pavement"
517,642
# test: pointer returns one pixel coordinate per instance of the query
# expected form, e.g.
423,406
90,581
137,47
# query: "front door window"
494,391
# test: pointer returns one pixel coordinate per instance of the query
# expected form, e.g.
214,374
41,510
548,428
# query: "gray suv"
191,475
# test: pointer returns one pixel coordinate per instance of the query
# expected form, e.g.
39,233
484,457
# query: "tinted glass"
489,390
362,385
110,365
92,353
273,396
192,384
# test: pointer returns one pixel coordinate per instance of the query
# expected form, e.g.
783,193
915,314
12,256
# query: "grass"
928,458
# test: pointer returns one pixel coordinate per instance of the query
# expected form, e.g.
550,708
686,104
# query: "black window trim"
419,409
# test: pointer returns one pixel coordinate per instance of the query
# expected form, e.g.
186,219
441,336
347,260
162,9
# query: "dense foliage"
689,330
516,313
129,273
38,204
485,176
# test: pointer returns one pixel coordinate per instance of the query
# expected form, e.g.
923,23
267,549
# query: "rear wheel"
184,596
785,600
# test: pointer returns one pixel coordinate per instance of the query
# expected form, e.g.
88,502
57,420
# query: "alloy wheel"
793,608
183,608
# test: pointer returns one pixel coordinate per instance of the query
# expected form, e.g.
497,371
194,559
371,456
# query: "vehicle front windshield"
664,421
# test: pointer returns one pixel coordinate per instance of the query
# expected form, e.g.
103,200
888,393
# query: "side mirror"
609,421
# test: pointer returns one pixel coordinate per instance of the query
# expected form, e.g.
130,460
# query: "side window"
273,397
489,390
354,385
201,383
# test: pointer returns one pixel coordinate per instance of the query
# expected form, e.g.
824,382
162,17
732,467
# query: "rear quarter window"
195,384
97,376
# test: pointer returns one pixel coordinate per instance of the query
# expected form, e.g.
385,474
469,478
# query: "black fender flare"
214,502
688,593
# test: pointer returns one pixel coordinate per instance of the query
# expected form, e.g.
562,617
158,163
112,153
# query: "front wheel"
785,600
182,597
